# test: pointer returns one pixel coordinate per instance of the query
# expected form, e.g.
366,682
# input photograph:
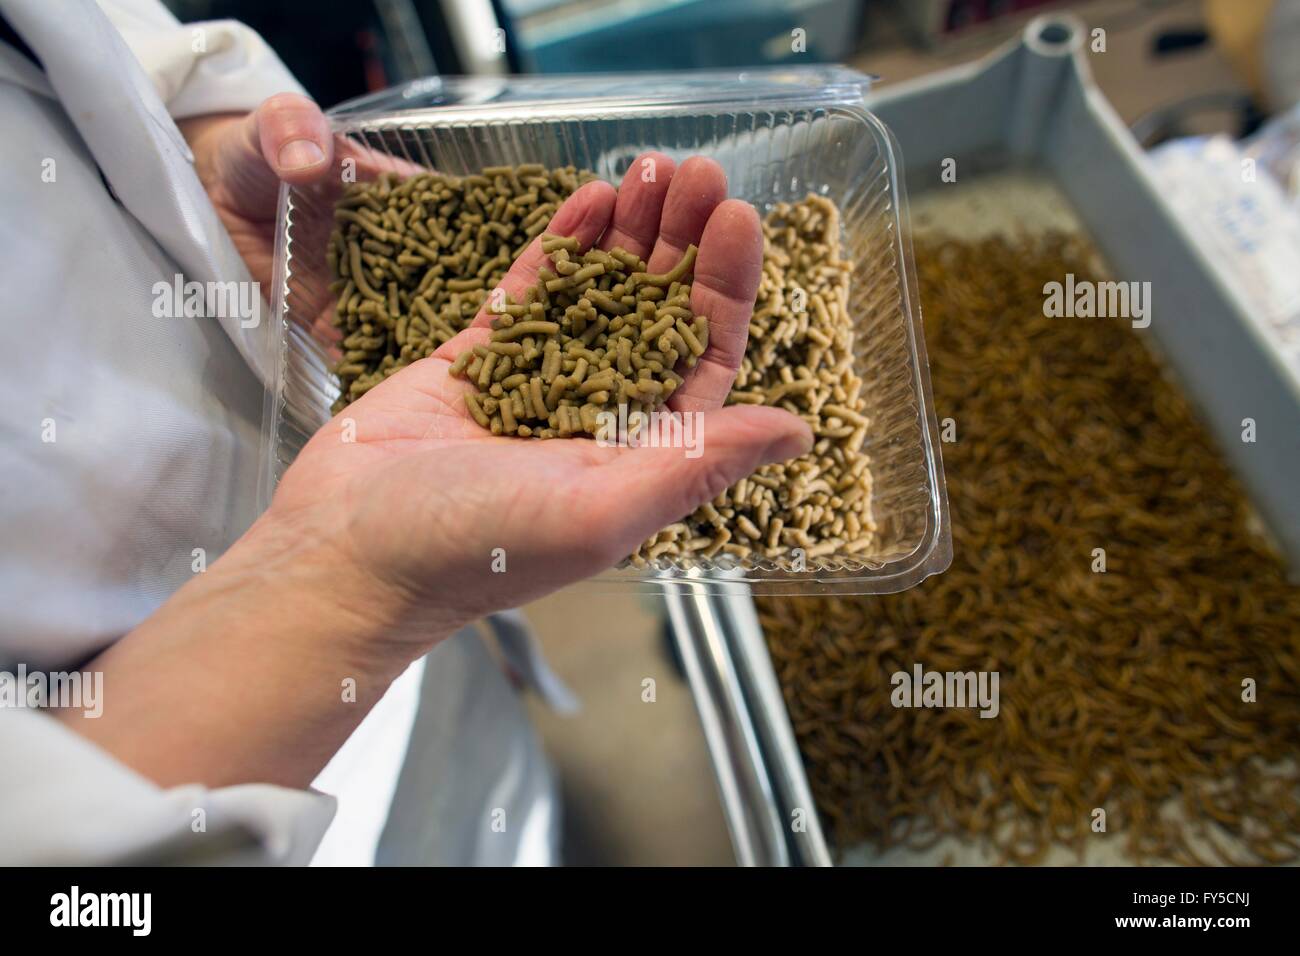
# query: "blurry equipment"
1244,221
1260,38
361,46
930,21
564,36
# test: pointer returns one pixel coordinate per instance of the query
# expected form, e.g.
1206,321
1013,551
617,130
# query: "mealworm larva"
1109,693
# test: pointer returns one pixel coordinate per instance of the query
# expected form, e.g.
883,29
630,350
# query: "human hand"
420,499
375,549
241,159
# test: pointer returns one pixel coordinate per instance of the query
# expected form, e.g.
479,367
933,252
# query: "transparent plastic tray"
779,135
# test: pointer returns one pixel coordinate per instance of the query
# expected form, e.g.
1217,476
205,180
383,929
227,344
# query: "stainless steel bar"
749,804
776,741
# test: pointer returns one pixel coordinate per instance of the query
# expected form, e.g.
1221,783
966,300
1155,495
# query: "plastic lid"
813,83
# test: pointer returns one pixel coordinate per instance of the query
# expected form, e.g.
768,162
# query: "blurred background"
638,782
1216,64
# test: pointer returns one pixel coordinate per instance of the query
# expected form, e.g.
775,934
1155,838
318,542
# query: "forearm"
255,671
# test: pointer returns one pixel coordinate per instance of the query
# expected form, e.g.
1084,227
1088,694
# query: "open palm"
434,506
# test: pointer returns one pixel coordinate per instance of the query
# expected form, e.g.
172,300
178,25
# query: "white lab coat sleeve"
218,66
73,804
157,435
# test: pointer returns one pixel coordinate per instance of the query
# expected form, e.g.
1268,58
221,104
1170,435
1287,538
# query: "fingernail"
789,446
299,154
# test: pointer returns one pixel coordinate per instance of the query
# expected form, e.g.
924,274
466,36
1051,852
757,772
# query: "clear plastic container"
779,135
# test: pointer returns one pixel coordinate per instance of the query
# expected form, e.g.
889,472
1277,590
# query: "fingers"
289,139
635,225
694,192
294,138
287,136
667,484
585,214
696,211
727,273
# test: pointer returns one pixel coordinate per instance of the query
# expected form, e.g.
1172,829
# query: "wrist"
352,614
255,671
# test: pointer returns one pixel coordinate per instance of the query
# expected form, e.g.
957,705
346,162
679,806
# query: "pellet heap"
799,357
596,333
416,258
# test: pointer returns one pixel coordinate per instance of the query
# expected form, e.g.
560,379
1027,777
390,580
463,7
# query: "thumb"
668,484
286,139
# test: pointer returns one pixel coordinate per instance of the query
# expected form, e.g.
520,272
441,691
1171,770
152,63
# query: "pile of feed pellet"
414,259
597,333
800,357
1164,690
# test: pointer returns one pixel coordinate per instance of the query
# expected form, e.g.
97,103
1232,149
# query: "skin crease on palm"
375,549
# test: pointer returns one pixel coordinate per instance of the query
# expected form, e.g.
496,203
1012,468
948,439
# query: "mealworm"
1121,690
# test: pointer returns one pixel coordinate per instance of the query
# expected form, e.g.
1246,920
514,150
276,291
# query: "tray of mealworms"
1109,569
451,186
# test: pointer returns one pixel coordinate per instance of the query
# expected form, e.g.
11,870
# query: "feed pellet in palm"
594,333
800,356
415,258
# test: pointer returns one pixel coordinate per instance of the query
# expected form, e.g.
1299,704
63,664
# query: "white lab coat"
155,426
